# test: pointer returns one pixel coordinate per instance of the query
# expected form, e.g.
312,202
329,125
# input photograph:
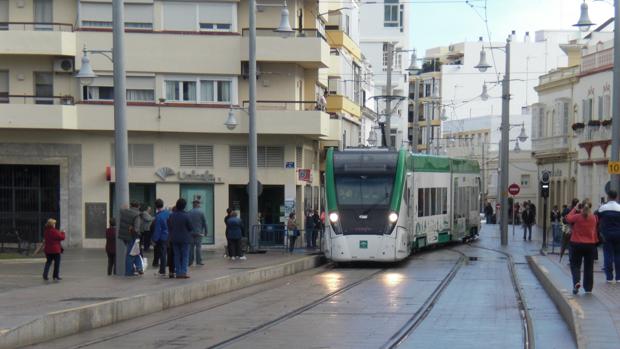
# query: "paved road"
358,307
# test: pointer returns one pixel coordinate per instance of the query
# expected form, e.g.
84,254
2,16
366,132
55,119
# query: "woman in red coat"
53,249
583,241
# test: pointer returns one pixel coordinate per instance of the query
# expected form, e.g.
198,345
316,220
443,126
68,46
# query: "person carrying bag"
293,231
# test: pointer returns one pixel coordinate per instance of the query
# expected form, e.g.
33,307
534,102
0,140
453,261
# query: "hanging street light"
231,122
485,94
584,24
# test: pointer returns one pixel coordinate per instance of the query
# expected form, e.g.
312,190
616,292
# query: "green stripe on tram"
430,163
465,166
330,184
399,181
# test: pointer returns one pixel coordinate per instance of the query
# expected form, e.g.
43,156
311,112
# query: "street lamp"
372,137
482,66
231,122
584,22
121,164
485,93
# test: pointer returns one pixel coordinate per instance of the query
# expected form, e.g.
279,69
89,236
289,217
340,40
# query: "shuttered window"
138,155
298,156
196,155
4,86
267,156
4,14
99,15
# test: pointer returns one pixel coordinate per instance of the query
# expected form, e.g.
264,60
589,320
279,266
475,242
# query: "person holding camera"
583,242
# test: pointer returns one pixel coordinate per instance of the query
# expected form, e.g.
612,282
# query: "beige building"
186,66
429,108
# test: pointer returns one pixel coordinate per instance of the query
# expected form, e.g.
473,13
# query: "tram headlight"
393,217
333,217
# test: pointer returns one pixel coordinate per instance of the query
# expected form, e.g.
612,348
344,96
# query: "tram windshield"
365,191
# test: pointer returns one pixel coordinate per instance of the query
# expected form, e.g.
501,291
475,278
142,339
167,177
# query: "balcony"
550,145
597,61
28,38
557,76
273,117
339,39
21,111
307,47
339,104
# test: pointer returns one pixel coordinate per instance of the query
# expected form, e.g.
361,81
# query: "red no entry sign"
514,189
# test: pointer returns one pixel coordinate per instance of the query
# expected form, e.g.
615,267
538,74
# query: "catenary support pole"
121,147
615,123
387,129
252,138
429,125
414,131
505,143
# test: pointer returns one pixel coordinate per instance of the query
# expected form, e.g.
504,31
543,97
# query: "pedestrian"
53,248
533,211
488,212
583,244
128,231
317,227
145,228
528,219
199,222
110,246
293,231
160,237
556,218
228,253
180,227
309,225
235,232
609,228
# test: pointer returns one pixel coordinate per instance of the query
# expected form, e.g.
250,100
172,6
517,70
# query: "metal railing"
550,143
559,74
296,33
285,105
276,236
595,133
31,99
36,26
597,60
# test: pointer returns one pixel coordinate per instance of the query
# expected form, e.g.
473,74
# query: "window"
4,14
214,16
225,27
600,108
43,15
181,91
215,90
139,155
195,155
99,15
607,106
238,156
525,180
298,156
390,13
586,110
44,88
203,16
4,86
267,156
99,93
139,89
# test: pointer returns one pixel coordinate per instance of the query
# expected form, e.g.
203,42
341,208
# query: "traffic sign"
613,167
514,189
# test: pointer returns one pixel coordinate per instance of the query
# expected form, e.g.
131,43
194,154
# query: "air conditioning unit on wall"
63,65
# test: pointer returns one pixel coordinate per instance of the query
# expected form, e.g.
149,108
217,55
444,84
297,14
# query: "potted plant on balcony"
594,123
606,123
578,127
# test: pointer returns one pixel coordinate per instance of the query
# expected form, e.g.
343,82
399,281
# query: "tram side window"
444,201
420,202
427,202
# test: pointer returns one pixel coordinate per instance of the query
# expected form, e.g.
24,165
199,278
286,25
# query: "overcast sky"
439,24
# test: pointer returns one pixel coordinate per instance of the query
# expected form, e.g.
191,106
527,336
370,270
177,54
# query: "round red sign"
514,189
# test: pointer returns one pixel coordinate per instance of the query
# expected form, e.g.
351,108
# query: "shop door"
203,193
29,196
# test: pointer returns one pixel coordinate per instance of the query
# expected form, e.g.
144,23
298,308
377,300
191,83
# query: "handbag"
135,249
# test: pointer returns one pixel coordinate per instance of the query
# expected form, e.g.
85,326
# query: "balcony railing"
559,74
547,144
31,99
285,105
296,33
594,133
597,60
36,26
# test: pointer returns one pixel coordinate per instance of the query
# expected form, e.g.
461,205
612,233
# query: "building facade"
186,67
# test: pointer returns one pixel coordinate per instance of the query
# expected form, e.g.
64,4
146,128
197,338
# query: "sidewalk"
32,310
594,319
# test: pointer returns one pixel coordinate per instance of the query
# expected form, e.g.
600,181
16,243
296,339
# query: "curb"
71,321
561,299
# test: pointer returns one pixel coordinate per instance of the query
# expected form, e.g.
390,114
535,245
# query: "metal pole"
505,143
252,141
544,243
429,129
513,217
121,148
387,129
483,197
414,136
615,123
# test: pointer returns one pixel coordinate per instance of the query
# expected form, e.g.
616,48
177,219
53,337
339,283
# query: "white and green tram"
383,205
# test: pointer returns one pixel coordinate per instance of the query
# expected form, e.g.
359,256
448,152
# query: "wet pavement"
361,306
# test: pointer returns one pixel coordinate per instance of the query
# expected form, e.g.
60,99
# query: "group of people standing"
587,230
313,227
176,233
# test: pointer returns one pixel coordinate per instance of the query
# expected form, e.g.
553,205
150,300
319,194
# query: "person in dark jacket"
129,231
527,218
199,222
180,226
160,237
556,219
317,227
609,227
110,246
53,248
309,225
228,242
235,232
488,213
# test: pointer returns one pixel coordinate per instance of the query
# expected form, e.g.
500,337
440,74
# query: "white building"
380,24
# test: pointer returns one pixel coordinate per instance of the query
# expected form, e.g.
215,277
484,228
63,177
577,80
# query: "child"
110,246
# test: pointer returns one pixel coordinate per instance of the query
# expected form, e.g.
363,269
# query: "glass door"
204,194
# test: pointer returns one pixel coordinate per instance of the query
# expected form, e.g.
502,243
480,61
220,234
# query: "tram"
383,205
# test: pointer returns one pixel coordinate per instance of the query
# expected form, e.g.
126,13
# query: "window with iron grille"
196,155
138,155
238,156
298,156
266,156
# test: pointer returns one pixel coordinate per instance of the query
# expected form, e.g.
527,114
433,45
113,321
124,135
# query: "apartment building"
186,65
429,108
